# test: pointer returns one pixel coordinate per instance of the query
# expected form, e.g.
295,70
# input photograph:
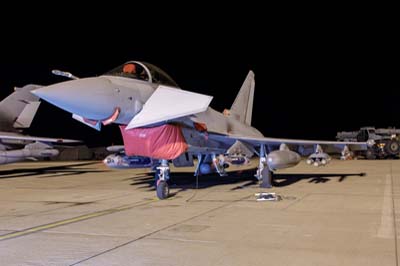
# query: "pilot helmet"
129,68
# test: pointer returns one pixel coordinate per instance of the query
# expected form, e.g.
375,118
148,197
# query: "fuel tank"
281,159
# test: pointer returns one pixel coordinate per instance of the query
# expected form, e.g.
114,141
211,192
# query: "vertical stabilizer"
18,109
242,107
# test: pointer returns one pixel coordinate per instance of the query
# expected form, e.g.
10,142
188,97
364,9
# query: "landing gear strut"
263,172
218,166
266,178
162,177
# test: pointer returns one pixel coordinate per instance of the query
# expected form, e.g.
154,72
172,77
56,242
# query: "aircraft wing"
168,103
6,136
204,150
24,120
277,141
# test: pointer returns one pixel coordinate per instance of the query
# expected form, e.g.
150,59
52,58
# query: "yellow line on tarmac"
71,220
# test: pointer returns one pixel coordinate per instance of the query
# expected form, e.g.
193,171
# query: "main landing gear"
264,174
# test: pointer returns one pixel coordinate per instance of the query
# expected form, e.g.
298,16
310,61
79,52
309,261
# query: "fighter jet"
161,121
16,113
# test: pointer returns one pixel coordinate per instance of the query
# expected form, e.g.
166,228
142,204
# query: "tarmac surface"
82,213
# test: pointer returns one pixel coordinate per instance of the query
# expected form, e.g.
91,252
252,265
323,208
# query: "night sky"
312,79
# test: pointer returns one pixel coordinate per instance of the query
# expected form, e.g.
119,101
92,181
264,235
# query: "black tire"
162,190
392,147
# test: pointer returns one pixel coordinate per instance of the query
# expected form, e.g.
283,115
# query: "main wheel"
392,147
162,189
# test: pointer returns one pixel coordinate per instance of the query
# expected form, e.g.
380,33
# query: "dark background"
314,76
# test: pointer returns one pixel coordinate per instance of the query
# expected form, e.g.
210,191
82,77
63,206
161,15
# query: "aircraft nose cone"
89,97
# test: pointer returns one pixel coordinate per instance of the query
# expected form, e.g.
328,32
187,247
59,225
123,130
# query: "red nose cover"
163,142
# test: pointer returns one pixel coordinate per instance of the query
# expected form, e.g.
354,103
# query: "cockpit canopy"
143,71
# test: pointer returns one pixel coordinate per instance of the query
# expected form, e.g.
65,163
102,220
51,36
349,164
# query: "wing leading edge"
277,141
39,139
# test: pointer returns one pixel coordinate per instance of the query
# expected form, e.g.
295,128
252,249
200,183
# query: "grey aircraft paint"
17,112
137,103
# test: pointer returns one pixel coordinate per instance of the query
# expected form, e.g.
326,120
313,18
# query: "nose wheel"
162,189
162,177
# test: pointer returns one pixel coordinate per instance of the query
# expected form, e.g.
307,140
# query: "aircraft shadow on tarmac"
184,181
51,171
281,180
